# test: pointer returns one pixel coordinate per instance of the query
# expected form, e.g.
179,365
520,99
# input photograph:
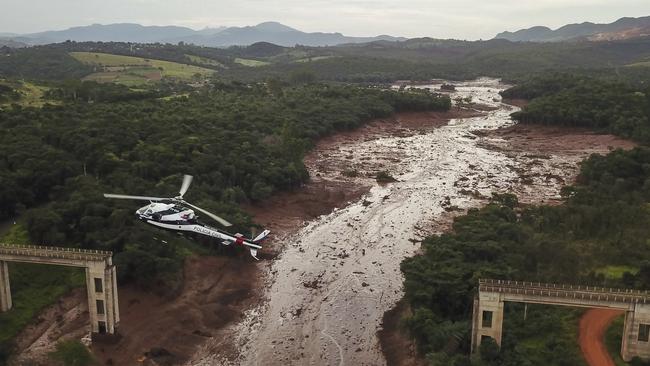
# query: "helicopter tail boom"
262,236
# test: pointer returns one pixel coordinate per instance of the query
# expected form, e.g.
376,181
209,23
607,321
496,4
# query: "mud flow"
321,300
337,276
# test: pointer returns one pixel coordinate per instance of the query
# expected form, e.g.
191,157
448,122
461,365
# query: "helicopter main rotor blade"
127,197
187,180
213,216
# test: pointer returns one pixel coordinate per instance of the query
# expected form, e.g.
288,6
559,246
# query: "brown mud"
328,290
534,147
228,311
396,344
154,330
217,290
329,186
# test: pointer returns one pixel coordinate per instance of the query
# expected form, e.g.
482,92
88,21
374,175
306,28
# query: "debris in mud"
550,176
453,208
296,313
315,284
350,173
158,352
384,177
201,333
474,194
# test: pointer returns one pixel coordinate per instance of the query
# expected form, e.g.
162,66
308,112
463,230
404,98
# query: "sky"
458,19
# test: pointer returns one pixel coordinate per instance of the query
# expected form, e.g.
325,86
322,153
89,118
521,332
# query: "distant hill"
123,32
11,43
271,32
282,35
623,28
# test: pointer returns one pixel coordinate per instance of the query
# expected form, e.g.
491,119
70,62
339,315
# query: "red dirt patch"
558,140
593,325
216,291
398,347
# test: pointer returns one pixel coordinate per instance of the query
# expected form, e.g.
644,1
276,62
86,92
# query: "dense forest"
243,136
583,101
241,142
602,225
597,237
375,62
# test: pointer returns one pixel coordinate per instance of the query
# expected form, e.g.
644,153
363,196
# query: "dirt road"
593,325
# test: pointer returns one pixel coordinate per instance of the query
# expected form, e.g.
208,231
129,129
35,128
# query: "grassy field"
205,61
31,95
136,70
616,272
251,63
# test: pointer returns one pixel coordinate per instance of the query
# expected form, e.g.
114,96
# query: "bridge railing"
592,293
54,252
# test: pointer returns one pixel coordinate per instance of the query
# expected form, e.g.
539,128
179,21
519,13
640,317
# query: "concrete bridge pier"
101,279
101,286
488,309
488,318
5,289
636,333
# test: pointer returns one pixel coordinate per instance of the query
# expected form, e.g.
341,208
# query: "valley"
339,246
394,174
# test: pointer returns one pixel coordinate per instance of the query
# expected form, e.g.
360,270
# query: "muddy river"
324,297
339,274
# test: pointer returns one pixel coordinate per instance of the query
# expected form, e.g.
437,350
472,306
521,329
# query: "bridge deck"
587,293
72,254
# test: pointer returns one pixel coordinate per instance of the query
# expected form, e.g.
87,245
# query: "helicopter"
176,214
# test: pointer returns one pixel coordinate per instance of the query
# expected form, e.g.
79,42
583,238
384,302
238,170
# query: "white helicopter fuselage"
173,213
175,217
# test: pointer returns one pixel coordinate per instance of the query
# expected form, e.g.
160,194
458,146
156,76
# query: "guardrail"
591,293
54,252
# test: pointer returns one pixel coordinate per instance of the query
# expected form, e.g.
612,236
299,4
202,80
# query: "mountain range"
272,32
621,29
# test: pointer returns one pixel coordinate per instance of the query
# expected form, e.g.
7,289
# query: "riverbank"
329,289
218,290
546,158
340,239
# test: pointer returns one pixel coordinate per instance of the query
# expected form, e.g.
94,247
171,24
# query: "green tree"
72,353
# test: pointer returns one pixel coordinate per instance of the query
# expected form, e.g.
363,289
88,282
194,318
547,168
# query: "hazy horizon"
463,19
